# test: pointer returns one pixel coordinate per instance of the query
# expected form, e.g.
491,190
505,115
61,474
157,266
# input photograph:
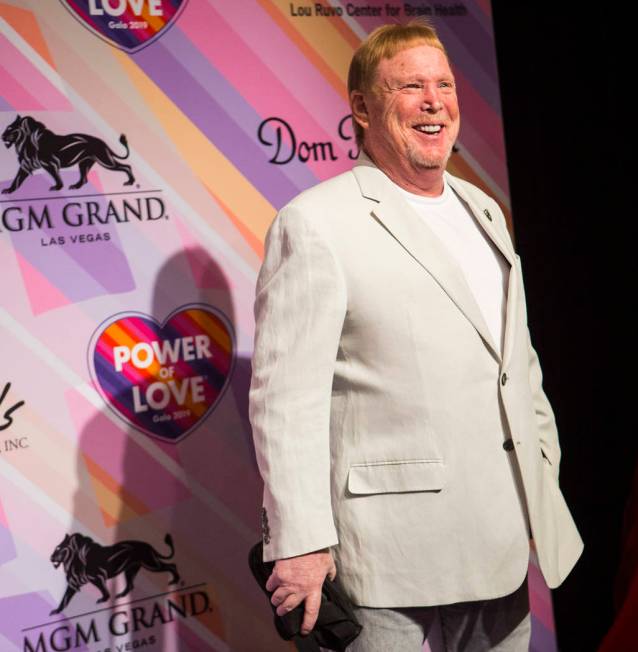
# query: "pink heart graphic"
163,379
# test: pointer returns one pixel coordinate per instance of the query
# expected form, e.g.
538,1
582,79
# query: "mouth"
430,130
55,563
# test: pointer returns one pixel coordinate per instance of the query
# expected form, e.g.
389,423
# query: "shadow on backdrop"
178,497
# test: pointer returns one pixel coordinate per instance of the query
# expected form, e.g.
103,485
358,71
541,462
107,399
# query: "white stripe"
489,181
349,20
7,645
34,492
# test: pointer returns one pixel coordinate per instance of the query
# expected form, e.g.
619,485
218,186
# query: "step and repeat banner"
146,147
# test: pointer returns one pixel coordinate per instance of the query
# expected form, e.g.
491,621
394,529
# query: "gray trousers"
501,625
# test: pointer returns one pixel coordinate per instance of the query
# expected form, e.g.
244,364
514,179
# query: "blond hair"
383,43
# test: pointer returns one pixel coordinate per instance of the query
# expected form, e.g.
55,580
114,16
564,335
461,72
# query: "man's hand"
300,578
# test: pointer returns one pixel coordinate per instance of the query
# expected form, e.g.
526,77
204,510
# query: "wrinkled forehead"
419,63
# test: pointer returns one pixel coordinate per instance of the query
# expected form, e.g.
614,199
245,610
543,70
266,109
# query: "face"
411,115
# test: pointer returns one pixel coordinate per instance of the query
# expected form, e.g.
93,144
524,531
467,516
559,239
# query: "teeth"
429,129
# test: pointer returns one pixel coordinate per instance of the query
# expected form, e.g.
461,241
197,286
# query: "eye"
417,85
446,84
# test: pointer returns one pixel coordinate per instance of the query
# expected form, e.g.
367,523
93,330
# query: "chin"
427,163
432,162
424,161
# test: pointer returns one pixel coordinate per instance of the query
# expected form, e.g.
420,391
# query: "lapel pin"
487,214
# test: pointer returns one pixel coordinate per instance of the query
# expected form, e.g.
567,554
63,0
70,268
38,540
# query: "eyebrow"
415,78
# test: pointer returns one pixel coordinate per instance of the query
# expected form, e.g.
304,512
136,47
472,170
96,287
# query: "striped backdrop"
196,102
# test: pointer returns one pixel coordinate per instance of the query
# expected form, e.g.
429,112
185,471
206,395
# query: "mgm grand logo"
58,214
86,562
39,148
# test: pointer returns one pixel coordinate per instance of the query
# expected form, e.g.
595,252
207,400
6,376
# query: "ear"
359,109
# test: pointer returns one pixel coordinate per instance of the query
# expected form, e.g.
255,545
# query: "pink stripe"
15,95
186,324
3,517
221,361
137,329
483,137
43,295
278,53
126,462
128,371
13,90
316,118
540,598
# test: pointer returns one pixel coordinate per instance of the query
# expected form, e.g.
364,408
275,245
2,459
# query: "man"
399,419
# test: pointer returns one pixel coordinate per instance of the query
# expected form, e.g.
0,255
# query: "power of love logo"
129,25
163,379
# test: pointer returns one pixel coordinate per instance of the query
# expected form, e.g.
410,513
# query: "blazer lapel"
487,224
479,213
418,240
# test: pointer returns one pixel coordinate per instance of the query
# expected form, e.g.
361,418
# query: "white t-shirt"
484,267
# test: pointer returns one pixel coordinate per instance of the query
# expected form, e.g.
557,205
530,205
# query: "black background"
566,127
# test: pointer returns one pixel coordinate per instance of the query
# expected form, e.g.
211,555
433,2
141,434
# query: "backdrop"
149,144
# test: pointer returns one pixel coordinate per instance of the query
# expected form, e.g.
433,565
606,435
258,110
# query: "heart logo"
163,379
129,25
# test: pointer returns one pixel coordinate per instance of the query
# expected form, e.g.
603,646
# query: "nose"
431,99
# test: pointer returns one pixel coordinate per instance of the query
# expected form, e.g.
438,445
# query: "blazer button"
508,445
487,214
503,379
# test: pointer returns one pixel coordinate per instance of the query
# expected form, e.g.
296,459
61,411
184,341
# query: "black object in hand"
336,625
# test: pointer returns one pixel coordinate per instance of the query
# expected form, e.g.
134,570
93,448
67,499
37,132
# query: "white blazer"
386,423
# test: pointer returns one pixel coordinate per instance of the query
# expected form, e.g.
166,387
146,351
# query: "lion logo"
86,561
38,147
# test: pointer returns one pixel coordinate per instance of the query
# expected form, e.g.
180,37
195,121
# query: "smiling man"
410,115
400,425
